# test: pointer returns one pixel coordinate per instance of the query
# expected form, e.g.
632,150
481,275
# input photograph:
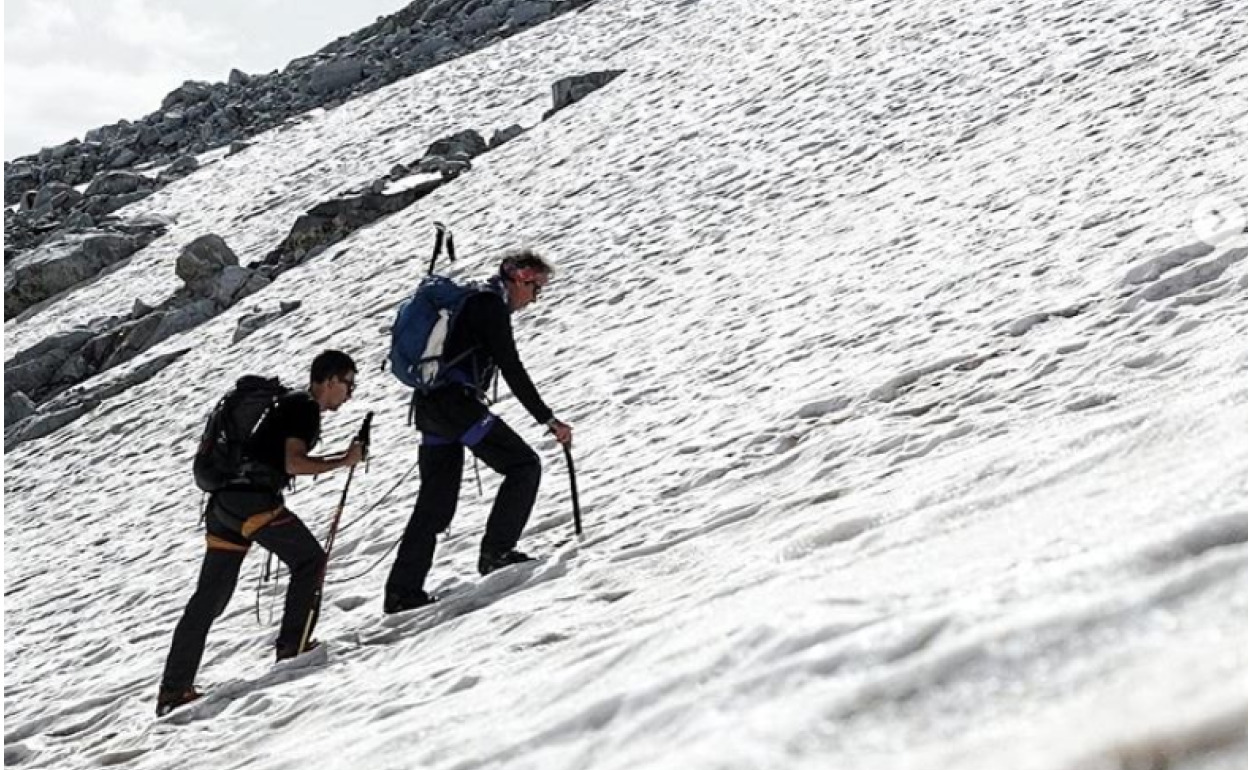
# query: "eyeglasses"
349,382
536,287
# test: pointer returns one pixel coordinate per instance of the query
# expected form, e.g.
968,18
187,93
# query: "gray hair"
525,259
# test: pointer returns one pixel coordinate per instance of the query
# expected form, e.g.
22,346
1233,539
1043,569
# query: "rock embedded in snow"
201,262
254,322
17,406
61,265
197,115
505,135
570,90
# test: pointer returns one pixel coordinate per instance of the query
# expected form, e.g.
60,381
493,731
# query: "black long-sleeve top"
482,329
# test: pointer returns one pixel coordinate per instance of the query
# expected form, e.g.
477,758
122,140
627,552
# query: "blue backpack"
421,329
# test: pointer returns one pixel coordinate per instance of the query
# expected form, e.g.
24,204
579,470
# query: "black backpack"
222,459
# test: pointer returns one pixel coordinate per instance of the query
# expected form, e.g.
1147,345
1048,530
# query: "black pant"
234,520
450,420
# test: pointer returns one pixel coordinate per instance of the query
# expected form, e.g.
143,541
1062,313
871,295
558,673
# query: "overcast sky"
72,65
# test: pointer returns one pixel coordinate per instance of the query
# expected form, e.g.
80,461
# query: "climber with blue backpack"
448,343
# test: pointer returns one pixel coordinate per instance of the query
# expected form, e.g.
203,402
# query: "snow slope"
910,427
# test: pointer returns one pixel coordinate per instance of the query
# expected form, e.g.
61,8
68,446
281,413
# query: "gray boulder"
463,145
41,424
570,90
448,169
117,183
68,342
235,283
173,139
190,92
252,323
117,347
124,159
35,376
56,197
103,205
482,20
148,135
526,12
179,320
335,75
239,78
113,386
201,262
505,135
75,369
136,337
19,176
78,221
17,407
431,46
181,167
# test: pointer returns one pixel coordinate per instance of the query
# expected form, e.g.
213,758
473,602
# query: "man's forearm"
313,466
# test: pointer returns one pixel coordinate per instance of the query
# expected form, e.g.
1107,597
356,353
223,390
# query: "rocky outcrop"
56,208
33,423
44,423
66,262
43,385
199,116
336,75
254,322
570,90
213,282
505,135
327,223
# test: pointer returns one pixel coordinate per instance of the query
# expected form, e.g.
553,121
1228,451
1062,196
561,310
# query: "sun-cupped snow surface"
905,345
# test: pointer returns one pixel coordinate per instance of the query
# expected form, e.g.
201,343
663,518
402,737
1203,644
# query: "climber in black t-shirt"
238,516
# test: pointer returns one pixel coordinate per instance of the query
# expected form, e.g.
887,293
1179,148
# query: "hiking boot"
492,560
286,653
401,602
171,698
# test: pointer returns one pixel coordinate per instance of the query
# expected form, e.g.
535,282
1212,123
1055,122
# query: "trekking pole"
576,502
363,438
444,238
266,574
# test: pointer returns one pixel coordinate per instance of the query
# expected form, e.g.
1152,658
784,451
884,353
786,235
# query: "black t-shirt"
296,415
